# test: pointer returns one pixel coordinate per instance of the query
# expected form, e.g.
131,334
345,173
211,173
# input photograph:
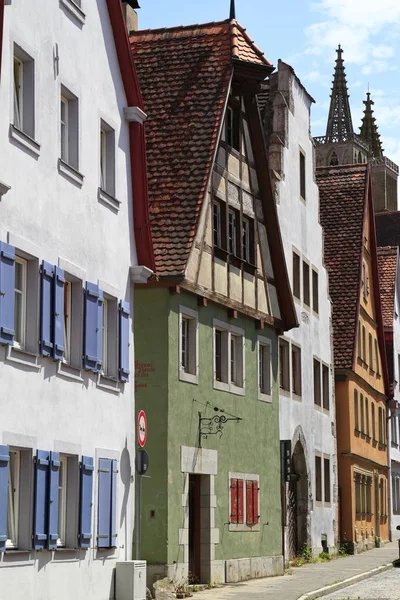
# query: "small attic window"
233,127
334,159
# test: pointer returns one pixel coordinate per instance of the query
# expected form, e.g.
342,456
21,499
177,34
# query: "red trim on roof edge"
1,30
144,245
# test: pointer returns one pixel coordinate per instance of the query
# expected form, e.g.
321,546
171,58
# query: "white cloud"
318,78
359,26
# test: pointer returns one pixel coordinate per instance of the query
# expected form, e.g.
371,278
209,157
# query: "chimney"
130,16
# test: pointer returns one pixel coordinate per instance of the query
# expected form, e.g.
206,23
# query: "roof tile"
342,208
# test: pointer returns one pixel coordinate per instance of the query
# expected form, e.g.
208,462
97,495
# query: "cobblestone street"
385,586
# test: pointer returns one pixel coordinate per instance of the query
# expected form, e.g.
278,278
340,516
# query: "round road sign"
142,428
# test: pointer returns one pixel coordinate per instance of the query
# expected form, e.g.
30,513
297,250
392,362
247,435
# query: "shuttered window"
124,341
107,503
7,291
46,327
86,493
93,339
244,501
40,509
252,492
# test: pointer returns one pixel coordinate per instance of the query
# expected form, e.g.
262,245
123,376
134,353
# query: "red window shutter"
234,501
256,491
249,503
240,497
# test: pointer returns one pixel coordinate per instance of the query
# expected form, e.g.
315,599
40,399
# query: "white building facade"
66,343
307,405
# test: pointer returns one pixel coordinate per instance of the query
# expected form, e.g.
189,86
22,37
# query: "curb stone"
345,583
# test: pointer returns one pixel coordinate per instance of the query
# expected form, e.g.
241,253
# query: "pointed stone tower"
341,145
384,171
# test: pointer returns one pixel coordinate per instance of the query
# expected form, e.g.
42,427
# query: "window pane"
105,339
218,357
317,382
232,232
306,283
185,345
327,479
318,479
217,224
315,291
246,240
67,321
296,275
13,498
302,176
17,93
64,129
325,386
19,302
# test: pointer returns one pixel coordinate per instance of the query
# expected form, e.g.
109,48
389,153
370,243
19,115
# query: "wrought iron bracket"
213,425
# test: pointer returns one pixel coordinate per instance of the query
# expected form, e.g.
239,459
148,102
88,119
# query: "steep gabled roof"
387,266
345,203
342,208
185,73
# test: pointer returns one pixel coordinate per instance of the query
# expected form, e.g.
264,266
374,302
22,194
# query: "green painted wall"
250,446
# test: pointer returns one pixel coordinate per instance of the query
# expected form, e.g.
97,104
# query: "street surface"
314,576
385,586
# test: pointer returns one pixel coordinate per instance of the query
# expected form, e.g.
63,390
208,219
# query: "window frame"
12,541
64,127
243,527
192,318
264,363
302,175
284,377
20,345
315,290
306,283
296,275
296,386
228,331
107,159
72,160
62,505
317,379
25,96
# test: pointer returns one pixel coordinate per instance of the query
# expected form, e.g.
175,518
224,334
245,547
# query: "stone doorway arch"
298,501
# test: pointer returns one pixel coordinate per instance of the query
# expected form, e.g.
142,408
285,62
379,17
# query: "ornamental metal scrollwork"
213,425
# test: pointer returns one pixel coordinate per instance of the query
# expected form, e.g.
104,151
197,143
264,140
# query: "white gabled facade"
66,420
307,405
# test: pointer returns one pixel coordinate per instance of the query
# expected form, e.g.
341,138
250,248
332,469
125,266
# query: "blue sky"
305,33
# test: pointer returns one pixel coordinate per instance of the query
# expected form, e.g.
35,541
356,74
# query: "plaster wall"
54,218
301,231
393,443
250,446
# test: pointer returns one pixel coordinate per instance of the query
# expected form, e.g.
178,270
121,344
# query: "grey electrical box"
130,580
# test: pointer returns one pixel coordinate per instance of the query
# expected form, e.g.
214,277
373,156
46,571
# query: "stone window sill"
188,377
70,172
22,357
74,10
24,140
107,199
109,384
69,372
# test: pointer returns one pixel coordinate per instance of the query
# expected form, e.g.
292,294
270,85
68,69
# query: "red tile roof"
184,75
387,266
342,208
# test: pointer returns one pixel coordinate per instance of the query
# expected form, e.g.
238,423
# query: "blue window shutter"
104,503
114,483
7,287
4,466
92,359
85,521
46,336
58,315
124,344
54,478
40,510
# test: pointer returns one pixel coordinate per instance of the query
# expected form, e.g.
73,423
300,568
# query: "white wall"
301,230
40,408
394,441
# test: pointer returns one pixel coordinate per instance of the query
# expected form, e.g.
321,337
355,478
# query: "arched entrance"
298,502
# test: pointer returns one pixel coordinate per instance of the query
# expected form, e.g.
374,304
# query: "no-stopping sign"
142,428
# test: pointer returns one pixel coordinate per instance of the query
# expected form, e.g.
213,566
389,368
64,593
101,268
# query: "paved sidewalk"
304,579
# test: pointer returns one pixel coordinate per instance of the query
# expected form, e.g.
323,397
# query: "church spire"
232,15
369,129
340,126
